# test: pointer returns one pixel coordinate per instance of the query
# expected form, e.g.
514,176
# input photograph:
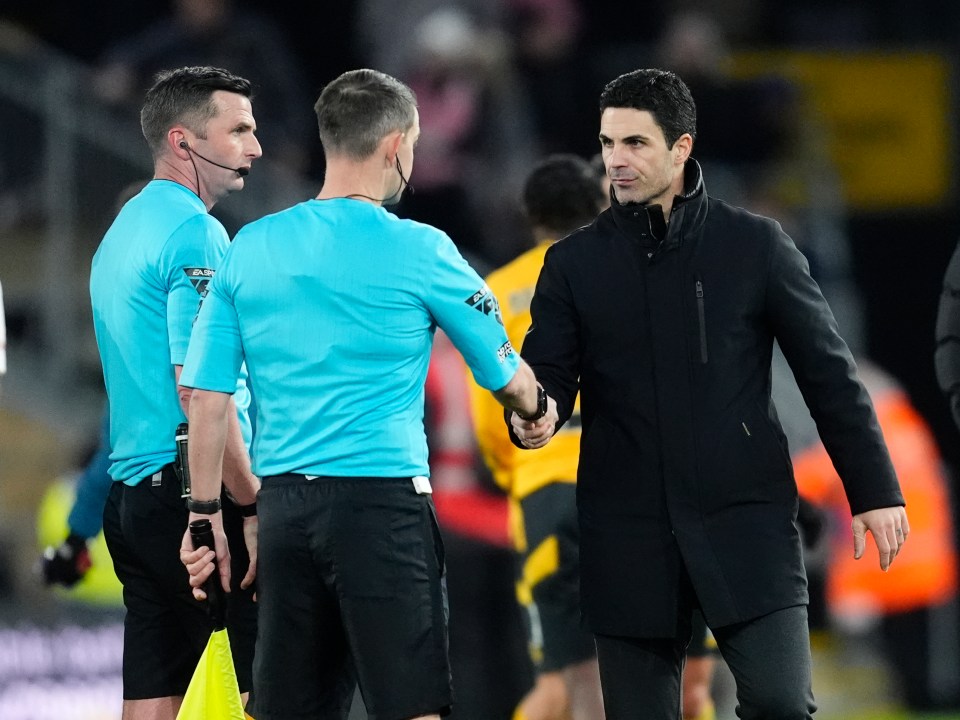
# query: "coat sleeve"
946,357
826,374
552,344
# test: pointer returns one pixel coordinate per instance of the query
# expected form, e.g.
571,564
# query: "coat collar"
645,222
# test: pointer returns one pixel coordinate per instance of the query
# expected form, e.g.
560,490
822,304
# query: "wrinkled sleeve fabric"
467,310
215,357
187,264
826,374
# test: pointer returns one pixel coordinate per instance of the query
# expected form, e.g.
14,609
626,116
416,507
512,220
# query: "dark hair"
185,96
563,193
360,108
661,93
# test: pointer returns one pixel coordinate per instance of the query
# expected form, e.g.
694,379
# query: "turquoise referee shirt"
333,305
148,275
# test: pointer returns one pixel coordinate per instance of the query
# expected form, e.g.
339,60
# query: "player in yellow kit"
561,194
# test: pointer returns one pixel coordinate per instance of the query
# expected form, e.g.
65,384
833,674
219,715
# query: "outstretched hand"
889,527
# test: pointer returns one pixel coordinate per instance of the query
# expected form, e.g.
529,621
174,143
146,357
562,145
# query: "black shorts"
166,629
352,589
548,584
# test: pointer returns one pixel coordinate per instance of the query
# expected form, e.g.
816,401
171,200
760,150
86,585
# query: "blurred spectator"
764,149
472,131
378,25
745,126
3,337
73,507
69,562
216,32
546,38
915,603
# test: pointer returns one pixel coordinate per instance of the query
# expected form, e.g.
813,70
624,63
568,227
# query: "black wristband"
203,507
541,406
76,542
248,510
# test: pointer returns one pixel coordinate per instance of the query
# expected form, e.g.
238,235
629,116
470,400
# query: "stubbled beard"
643,201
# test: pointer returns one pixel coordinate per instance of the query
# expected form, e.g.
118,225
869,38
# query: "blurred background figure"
546,36
740,151
222,34
561,194
473,129
249,42
947,354
913,608
3,340
73,506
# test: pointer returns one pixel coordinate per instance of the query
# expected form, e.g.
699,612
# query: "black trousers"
768,656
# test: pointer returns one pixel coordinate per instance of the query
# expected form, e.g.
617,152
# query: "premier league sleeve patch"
483,300
200,278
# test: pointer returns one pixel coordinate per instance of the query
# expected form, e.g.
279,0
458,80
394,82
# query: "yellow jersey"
521,472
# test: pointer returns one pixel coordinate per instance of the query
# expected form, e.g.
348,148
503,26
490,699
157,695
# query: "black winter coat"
683,463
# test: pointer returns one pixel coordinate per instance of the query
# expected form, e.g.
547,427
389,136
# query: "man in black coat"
663,313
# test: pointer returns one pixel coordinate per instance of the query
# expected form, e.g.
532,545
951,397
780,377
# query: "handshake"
67,564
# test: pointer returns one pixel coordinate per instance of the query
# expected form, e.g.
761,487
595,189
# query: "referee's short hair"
185,96
360,108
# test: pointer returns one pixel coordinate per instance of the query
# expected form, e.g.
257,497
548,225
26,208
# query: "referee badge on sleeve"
200,278
483,300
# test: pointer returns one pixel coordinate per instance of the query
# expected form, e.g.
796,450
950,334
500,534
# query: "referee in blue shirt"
333,305
147,279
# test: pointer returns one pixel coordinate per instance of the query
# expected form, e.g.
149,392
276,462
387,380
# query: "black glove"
65,565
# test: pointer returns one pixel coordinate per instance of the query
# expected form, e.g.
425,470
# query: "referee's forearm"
208,436
520,394
237,474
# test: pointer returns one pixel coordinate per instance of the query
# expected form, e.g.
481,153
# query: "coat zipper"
703,323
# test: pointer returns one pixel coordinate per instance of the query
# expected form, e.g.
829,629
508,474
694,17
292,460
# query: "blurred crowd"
502,83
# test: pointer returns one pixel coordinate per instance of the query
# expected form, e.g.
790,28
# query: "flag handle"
201,534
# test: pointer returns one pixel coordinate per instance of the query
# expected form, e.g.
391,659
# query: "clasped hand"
536,434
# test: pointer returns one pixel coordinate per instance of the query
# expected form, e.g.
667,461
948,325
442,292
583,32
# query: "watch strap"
203,507
541,406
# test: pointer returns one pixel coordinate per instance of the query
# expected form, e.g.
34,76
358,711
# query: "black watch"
203,507
541,406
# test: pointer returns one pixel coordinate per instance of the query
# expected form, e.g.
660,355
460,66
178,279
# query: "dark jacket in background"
947,354
683,464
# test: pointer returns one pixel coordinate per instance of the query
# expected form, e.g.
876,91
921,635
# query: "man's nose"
617,157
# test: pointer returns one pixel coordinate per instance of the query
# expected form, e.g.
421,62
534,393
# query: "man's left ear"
683,147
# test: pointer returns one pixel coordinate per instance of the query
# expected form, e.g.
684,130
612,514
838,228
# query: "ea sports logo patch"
200,278
485,301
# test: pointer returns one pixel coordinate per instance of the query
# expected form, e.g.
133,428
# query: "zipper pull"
699,289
